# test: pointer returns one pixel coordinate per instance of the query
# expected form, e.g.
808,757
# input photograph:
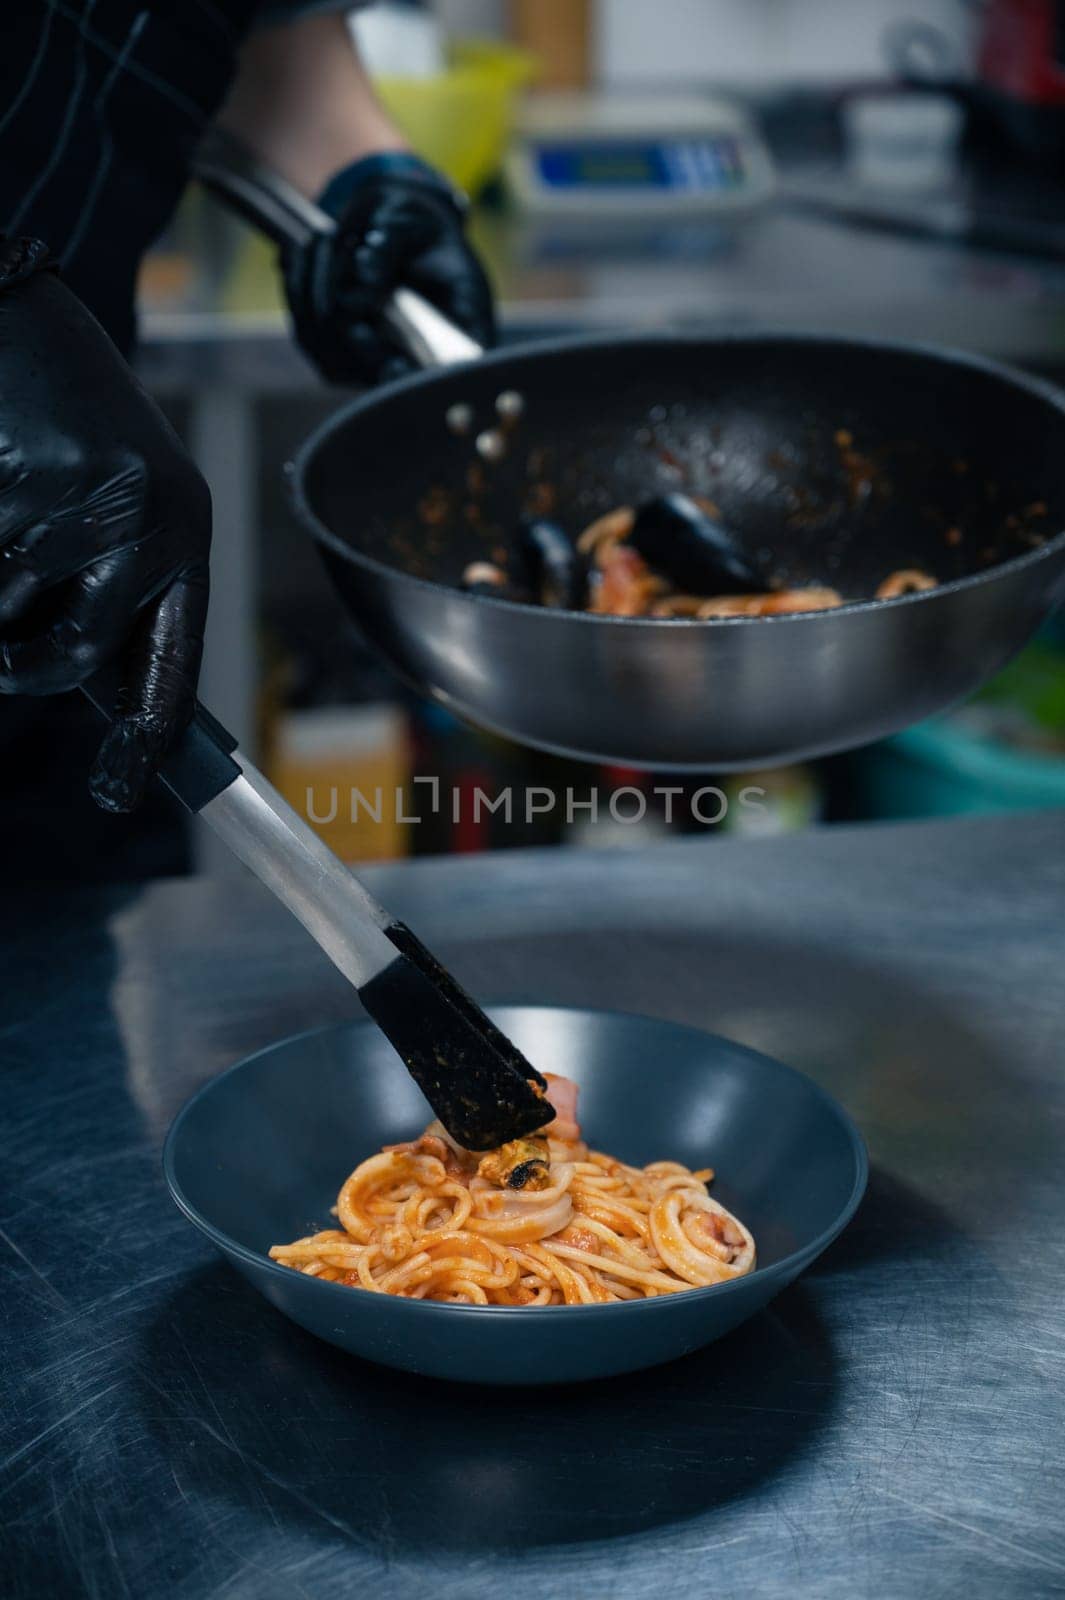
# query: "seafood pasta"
542,1221
670,558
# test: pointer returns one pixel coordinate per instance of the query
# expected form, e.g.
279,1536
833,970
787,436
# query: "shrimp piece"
562,1094
615,525
787,602
908,580
731,605
627,587
678,605
795,600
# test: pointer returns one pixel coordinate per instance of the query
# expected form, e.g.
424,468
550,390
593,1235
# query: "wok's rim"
941,355
781,1272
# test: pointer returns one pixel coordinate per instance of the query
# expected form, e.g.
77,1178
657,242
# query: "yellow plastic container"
462,120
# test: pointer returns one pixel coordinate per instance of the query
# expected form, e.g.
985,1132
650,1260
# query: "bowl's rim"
786,1269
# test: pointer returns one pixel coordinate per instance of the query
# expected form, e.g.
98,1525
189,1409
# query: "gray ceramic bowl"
257,1157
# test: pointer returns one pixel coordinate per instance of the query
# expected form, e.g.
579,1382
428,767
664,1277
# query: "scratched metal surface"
891,1426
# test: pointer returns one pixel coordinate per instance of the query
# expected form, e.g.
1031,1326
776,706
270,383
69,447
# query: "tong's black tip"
478,1082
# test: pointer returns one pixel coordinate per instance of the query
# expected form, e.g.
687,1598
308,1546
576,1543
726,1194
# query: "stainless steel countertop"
891,1426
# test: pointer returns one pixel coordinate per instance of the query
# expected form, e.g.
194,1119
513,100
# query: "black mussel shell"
697,554
552,567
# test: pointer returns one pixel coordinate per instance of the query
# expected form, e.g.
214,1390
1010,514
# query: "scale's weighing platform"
634,156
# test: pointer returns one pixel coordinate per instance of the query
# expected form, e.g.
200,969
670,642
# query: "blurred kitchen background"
857,166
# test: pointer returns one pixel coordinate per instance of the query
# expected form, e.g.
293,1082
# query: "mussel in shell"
552,568
521,1164
697,553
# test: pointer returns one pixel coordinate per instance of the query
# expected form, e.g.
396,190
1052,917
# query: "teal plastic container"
938,769
956,764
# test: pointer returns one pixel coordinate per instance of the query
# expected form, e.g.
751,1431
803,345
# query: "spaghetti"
544,1222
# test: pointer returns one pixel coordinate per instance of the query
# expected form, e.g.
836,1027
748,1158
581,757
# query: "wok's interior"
833,462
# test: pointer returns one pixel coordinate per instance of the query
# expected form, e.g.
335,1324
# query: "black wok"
953,465
834,462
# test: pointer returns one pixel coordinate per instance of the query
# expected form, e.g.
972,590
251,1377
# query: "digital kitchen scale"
632,155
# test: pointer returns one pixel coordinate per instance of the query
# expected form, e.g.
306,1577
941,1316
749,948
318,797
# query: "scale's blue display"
695,165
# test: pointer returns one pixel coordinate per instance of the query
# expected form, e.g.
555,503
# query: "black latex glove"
105,529
398,223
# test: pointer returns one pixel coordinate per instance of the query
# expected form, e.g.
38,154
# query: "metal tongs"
478,1083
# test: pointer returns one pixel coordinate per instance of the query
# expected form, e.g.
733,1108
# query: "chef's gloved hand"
399,223
105,527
